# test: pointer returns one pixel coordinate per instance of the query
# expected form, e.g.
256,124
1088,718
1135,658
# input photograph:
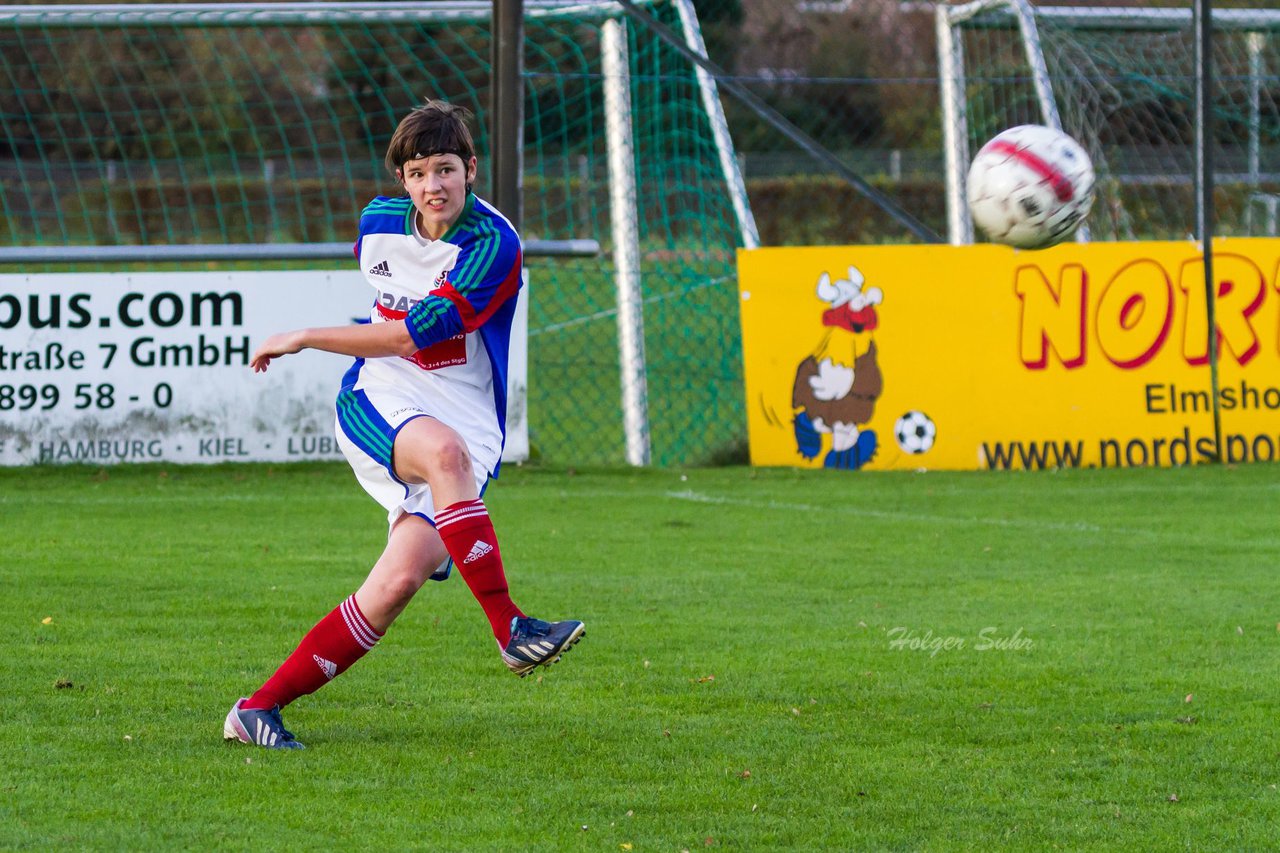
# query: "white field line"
889,515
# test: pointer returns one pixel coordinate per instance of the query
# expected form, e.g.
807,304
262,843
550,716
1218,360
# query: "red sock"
329,649
468,535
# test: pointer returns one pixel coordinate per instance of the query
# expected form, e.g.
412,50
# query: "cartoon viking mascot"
837,387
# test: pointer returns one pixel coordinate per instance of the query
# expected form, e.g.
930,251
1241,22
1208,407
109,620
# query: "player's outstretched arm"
367,340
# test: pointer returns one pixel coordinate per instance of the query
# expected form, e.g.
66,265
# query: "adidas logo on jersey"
380,268
478,550
328,667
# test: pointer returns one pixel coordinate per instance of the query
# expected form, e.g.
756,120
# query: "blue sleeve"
486,274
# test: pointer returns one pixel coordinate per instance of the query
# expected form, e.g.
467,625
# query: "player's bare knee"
400,588
450,458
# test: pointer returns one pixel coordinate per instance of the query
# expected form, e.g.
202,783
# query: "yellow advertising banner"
963,357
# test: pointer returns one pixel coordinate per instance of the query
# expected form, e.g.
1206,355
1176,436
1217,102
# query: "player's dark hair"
436,127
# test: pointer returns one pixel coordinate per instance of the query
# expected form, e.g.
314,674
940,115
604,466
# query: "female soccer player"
421,412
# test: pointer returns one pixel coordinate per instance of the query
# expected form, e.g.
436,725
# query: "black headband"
418,156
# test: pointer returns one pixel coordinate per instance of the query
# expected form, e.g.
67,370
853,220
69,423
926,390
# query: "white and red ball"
1030,187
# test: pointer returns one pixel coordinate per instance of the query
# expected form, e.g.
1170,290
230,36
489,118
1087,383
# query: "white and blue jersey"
457,296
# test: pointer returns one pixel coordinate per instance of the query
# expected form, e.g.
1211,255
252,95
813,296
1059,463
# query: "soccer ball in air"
1030,187
915,432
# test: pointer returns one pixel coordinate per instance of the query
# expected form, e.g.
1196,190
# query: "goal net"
250,123
1122,81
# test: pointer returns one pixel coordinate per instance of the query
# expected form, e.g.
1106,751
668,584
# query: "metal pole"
1255,42
955,126
626,239
506,115
719,128
1203,25
187,252
1026,17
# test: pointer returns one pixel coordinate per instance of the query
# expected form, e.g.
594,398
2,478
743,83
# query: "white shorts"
370,415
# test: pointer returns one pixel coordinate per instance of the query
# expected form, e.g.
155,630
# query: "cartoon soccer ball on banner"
915,432
1030,187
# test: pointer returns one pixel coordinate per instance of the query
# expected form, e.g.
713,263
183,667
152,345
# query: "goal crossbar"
241,14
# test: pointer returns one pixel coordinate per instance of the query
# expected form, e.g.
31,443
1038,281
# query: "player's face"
438,187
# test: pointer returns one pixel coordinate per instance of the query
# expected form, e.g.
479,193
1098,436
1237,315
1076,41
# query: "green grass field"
774,659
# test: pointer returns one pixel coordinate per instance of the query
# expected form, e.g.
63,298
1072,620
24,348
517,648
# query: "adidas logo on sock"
328,667
381,268
478,550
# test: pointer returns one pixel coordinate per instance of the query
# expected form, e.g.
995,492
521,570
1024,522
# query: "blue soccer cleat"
262,728
443,572
535,643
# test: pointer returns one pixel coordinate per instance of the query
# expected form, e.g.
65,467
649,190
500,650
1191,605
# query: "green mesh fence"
1123,80
226,125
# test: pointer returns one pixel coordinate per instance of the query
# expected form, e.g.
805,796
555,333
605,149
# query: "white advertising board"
103,368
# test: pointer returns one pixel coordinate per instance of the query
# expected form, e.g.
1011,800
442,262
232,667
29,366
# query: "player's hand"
284,343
